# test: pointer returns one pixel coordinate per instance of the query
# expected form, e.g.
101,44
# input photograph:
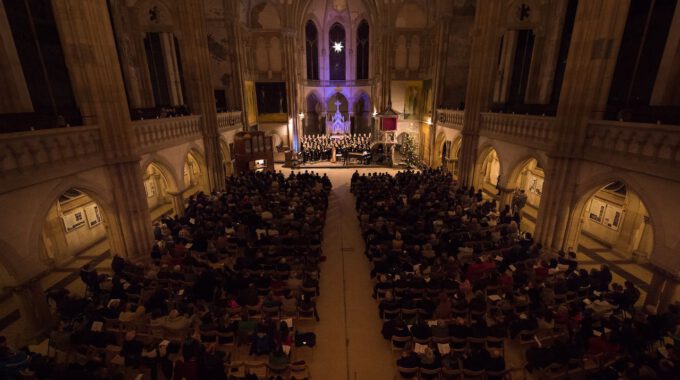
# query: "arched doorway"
611,225
614,218
74,225
159,184
489,169
527,183
194,174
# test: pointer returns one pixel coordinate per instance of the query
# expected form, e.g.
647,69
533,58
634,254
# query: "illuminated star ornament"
337,46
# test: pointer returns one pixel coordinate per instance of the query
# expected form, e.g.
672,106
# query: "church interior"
339,189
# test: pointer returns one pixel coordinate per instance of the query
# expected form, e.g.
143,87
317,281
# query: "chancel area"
339,189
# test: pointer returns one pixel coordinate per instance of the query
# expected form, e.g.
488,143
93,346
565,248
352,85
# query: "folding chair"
451,373
407,373
473,375
400,342
257,368
300,370
429,374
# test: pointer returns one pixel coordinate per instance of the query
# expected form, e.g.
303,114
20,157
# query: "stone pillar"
33,308
439,75
483,65
14,95
546,48
598,28
670,294
177,199
504,196
171,68
132,54
200,97
290,75
92,60
655,288
233,28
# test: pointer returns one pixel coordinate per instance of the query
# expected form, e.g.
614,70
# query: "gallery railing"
38,155
450,118
338,83
162,133
533,131
229,120
649,148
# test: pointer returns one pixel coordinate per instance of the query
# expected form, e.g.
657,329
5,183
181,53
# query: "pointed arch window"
362,50
336,51
312,49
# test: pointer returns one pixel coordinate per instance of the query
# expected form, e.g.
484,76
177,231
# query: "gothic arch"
517,167
200,182
586,190
312,42
164,167
482,157
93,190
337,60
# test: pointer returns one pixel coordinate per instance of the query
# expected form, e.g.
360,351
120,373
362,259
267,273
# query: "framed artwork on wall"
74,220
94,216
596,212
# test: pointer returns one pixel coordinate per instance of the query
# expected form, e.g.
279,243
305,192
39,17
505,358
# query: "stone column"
172,68
177,199
483,65
233,27
290,76
200,97
598,28
14,95
33,309
670,294
504,196
92,60
655,288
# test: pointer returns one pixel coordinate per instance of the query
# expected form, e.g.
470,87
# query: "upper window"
312,49
336,42
362,50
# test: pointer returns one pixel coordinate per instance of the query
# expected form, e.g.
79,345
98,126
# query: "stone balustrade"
450,118
534,131
229,120
24,152
338,83
650,148
157,134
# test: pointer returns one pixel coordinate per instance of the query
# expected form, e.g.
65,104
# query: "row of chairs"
456,344
263,370
445,373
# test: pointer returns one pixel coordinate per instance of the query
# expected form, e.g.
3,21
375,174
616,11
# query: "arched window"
312,48
362,50
336,42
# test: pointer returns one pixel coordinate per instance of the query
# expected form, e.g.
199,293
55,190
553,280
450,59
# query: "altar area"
337,127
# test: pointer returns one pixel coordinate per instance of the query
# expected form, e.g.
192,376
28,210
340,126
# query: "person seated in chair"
476,359
408,360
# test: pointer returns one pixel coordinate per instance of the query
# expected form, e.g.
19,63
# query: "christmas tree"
408,151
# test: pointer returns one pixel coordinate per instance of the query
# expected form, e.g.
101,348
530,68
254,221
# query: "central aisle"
349,343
